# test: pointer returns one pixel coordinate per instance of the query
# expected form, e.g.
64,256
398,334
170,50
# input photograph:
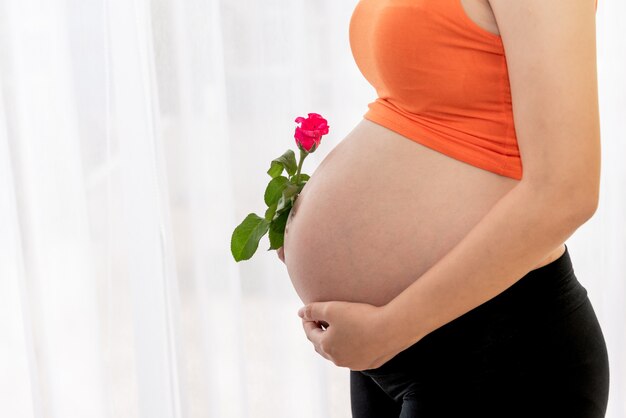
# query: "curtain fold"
146,232
52,211
18,395
134,136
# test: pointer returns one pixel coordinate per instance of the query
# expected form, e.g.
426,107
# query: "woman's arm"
551,58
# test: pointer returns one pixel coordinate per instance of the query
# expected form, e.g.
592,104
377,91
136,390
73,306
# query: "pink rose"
280,193
309,134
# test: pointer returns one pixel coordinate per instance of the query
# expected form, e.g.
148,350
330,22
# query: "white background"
134,137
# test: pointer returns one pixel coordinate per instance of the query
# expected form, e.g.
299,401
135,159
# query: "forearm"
513,237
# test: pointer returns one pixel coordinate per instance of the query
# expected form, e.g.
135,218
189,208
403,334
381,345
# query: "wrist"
397,329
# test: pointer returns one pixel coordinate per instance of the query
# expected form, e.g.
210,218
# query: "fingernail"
301,312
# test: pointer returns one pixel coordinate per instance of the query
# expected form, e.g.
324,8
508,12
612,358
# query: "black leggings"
534,350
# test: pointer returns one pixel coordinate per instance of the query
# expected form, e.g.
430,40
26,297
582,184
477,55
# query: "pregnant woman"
432,262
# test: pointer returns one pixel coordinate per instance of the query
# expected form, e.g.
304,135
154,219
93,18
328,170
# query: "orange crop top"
441,79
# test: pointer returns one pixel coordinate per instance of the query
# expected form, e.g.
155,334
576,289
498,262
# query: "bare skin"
551,59
364,235
480,12
381,209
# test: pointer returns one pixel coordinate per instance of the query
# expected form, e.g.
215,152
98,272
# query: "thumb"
314,311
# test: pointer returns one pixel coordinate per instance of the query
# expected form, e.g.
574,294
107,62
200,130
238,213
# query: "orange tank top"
441,79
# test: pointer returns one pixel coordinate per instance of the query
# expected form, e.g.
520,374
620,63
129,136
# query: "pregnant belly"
377,212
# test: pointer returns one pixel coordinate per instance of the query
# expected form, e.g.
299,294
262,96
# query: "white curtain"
134,137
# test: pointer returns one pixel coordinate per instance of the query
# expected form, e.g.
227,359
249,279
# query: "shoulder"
550,49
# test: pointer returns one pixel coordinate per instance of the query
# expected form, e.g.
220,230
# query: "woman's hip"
540,332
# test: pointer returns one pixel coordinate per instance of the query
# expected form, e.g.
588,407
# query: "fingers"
314,333
315,327
317,311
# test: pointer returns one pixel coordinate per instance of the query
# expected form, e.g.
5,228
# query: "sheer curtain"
134,137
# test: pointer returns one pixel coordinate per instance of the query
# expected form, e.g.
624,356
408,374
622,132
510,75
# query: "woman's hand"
353,335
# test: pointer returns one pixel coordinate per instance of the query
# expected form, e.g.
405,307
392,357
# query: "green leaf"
274,189
245,239
287,198
278,225
287,161
284,203
277,231
269,213
276,169
303,178
290,190
276,240
281,206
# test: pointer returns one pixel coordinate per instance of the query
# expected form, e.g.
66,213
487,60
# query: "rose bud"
309,135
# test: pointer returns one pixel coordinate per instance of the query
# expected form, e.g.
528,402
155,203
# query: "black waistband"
552,286
561,267
542,296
